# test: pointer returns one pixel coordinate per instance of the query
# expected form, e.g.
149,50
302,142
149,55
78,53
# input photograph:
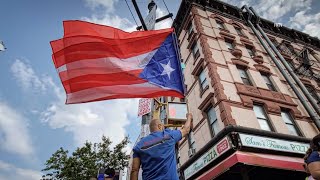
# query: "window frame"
312,92
293,123
264,113
190,28
291,63
197,53
238,29
191,140
212,122
267,80
250,49
230,42
204,82
244,69
220,22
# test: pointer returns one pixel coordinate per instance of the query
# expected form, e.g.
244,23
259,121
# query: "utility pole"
151,6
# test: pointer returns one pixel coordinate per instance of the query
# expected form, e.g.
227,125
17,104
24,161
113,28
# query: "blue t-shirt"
157,155
313,157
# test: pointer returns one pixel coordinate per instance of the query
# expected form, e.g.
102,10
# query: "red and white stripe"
97,62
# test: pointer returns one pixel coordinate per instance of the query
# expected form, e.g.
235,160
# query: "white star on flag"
167,69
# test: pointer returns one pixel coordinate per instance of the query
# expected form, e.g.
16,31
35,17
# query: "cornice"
236,14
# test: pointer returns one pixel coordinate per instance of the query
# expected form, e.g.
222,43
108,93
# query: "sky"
34,120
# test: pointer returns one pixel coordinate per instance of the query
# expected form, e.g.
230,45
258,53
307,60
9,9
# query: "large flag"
98,62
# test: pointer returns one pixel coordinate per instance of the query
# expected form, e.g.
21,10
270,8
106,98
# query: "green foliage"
85,161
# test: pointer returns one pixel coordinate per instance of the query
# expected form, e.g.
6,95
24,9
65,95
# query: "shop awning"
255,159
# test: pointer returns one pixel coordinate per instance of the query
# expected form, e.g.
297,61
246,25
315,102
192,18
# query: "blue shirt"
157,155
313,157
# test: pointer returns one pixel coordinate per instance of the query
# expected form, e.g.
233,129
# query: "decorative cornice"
240,62
262,68
258,59
237,53
236,14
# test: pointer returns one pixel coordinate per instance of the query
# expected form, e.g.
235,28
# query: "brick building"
252,118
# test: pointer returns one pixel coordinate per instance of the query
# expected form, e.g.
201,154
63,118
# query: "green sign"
273,144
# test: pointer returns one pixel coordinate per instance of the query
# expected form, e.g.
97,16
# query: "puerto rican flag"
96,62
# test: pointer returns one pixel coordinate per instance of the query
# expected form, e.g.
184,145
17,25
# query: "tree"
85,161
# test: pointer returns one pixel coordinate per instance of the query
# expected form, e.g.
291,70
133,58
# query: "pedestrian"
312,157
156,152
309,177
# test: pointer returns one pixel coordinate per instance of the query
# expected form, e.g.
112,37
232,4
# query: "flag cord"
131,13
167,8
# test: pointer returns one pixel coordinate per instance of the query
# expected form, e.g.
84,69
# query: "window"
312,92
220,24
195,50
250,51
268,81
274,42
262,117
190,29
230,44
238,30
287,118
291,49
213,121
203,80
244,75
191,141
290,62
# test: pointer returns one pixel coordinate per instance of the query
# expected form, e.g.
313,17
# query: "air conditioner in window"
191,152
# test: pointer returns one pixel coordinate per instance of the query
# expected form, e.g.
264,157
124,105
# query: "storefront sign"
273,144
217,150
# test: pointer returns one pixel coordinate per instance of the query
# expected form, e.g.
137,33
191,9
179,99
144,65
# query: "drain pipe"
286,65
312,114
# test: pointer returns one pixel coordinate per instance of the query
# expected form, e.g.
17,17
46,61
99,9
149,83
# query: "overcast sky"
34,121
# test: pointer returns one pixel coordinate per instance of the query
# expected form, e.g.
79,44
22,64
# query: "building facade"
249,122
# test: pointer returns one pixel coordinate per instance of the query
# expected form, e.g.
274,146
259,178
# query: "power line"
131,13
167,8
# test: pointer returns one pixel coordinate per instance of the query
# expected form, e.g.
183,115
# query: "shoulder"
170,131
174,134
313,157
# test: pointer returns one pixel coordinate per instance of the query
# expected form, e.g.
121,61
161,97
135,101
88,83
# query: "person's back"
156,152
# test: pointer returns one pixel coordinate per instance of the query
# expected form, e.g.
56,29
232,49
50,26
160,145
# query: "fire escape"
304,69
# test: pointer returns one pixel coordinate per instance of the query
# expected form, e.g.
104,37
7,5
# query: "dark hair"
110,172
314,146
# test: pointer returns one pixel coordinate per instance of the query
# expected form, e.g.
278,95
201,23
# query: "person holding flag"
97,62
156,152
